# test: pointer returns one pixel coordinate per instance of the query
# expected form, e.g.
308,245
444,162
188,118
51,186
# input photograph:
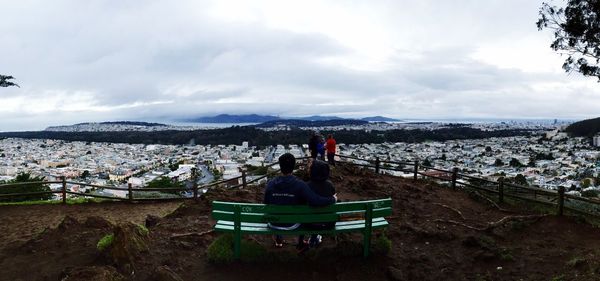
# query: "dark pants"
313,154
330,158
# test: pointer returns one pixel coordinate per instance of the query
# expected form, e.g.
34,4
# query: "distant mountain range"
310,123
255,118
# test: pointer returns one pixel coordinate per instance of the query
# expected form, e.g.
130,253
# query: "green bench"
251,218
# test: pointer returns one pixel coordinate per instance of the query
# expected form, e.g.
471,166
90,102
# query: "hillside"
436,233
584,128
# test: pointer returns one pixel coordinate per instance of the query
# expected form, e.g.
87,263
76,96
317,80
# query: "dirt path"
433,232
21,223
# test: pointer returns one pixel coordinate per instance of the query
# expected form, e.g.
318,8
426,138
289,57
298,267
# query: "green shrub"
382,245
105,242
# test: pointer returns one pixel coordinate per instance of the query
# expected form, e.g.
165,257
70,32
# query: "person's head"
319,171
287,163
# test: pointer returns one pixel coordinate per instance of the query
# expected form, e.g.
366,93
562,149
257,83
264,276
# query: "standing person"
312,145
321,185
289,190
330,149
321,148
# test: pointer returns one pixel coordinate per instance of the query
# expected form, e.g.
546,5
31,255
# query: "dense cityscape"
548,158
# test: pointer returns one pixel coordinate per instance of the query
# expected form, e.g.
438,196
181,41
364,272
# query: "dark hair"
287,163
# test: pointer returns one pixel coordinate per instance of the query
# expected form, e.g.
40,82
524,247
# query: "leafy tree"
5,83
166,182
85,174
590,193
27,188
498,163
488,149
519,179
514,162
427,163
585,183
576,28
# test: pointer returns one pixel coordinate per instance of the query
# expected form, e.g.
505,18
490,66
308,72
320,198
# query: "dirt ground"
436,233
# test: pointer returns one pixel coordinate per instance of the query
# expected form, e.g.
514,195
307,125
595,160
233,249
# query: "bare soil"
437,234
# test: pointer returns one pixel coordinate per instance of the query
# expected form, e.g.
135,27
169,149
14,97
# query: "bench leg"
368,230
237,242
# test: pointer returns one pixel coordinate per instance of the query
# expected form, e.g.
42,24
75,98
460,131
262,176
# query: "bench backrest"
261,213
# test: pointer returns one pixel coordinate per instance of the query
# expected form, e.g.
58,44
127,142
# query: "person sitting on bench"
289,190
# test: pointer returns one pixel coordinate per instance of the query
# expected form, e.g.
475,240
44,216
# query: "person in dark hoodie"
321,185
289,190
312,144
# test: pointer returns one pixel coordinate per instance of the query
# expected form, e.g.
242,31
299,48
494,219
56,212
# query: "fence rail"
499,188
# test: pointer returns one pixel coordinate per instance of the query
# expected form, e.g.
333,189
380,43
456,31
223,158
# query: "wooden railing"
500,189
131,191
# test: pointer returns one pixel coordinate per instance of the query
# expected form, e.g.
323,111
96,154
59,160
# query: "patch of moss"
105,242
142,230
559,278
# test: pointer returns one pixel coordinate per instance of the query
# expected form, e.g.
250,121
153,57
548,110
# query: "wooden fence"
499,189
131,192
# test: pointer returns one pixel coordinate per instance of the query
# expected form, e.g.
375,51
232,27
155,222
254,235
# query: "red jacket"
331,145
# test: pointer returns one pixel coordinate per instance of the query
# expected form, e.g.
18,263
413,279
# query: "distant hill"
379,119
107,126
256,118
584,128
319,118
307,123
227,118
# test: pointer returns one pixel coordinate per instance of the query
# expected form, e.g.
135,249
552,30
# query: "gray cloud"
101,60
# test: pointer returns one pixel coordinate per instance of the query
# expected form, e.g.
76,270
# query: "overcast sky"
80,61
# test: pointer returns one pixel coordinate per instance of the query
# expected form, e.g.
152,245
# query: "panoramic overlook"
312,140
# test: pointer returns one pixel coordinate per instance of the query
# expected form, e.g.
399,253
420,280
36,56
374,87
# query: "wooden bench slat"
296,218
339,223
263,229
301,209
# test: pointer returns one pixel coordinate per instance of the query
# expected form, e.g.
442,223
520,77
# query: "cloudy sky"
80,61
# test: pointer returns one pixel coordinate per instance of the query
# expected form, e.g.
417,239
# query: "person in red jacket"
330,149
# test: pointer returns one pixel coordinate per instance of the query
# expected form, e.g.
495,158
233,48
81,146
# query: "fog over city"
81,61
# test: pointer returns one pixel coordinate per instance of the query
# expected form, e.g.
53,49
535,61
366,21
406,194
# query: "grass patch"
382,245
506,255
576,261
558,278
221,250
105,242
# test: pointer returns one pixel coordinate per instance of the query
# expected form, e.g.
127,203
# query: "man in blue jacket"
289,190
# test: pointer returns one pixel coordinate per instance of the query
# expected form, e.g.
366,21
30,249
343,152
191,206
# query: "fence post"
416,169
64,190
501,190
561,200
244,179
454,176
130,192
195,183
377,165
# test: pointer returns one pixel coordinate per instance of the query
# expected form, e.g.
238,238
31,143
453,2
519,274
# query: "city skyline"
100,61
